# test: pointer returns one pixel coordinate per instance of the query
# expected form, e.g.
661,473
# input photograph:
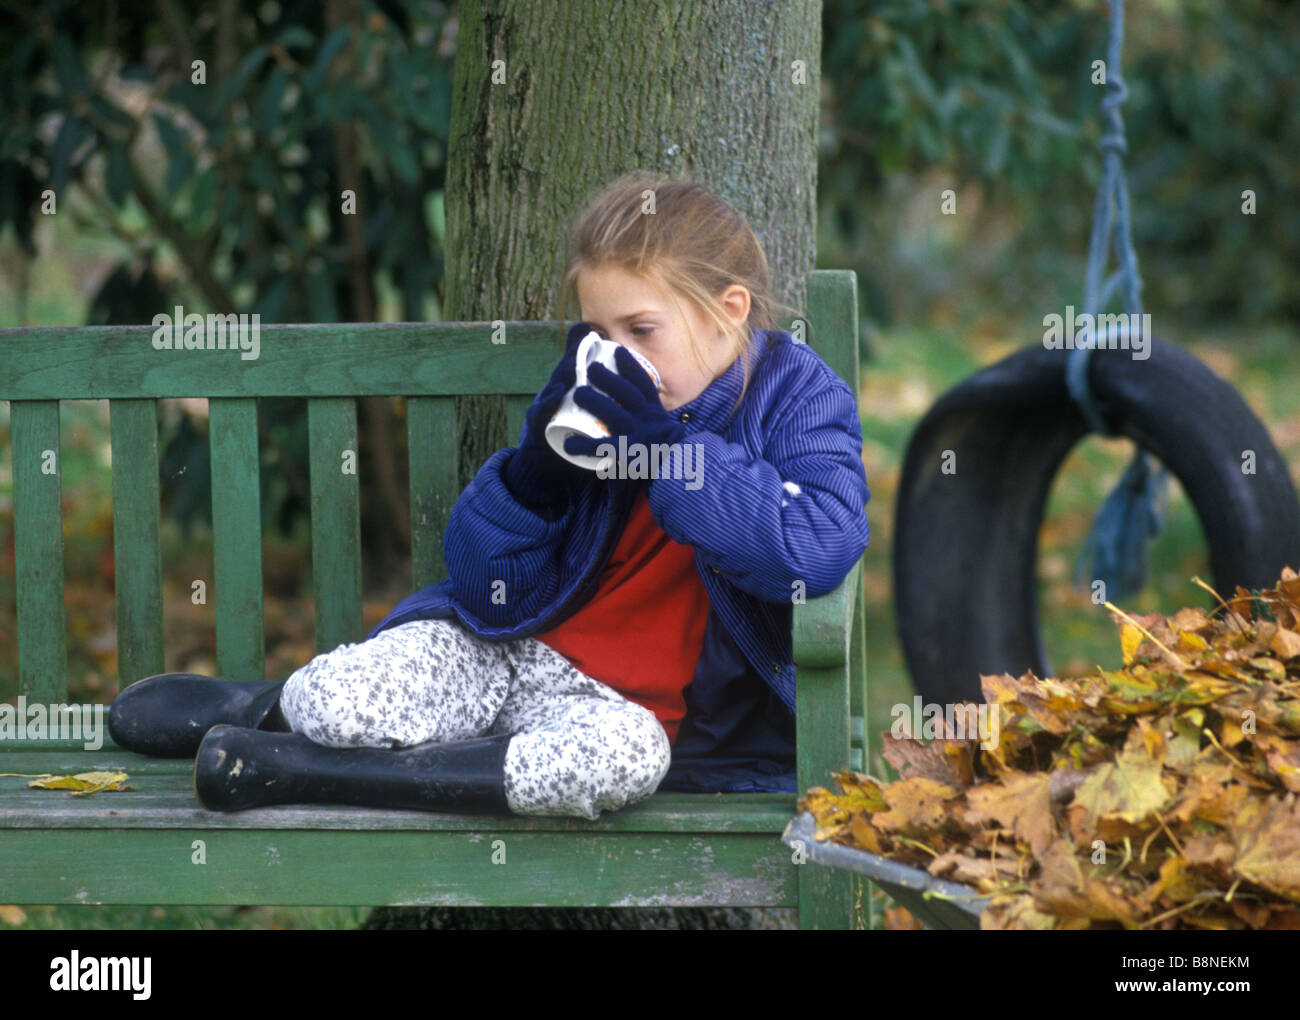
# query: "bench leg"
829,898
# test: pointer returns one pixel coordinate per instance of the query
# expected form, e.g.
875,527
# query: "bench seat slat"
163,797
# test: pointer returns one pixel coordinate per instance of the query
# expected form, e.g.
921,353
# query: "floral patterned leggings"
578,746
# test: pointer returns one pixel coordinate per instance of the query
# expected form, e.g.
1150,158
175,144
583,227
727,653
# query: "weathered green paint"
31,758
672,849
162,797
431,433
823,637
137,560
395,359
335,520
822,629
237,538
38,549
833,321
487,867
516,412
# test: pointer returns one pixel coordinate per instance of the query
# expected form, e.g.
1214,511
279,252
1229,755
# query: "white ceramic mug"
572,420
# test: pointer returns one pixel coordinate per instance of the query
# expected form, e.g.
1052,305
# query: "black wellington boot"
167,715
238,768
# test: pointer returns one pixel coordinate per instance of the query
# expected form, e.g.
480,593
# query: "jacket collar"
711,409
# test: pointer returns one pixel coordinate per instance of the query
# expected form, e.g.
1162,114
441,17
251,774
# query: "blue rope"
1115,551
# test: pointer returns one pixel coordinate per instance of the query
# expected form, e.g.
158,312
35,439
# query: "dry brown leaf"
1021,803
1269,855
915,758
916,806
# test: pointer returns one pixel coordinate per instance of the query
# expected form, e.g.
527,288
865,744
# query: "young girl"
598,637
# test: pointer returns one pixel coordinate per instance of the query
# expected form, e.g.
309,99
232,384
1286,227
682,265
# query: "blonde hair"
692,248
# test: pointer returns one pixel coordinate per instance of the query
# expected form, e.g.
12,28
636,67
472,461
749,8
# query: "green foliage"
999,93
229,191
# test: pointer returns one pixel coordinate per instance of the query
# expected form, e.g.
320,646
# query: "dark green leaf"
270,303
173,138
267,117
67,66
328,51
205,186
117,173
71,134
179,172
320,295
228,90
293,36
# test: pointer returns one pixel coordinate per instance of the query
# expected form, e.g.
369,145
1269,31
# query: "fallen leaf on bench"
79,785
12,915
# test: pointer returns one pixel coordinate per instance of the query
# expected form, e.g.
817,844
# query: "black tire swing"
979,467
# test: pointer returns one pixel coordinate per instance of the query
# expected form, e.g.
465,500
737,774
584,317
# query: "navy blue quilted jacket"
782,502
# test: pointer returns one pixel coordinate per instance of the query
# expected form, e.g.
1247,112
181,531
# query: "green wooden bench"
141,847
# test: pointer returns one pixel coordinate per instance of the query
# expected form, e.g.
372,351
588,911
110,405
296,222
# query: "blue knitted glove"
535,474
632,407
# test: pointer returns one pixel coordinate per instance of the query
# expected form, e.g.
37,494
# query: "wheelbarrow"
935,902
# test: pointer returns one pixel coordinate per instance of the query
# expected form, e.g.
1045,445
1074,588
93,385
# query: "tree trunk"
726,90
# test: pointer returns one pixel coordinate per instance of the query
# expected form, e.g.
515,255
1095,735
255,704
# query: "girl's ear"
736,302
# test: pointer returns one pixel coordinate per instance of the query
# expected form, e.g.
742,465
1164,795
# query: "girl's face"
629,310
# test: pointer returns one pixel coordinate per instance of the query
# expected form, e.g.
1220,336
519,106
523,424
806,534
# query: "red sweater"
643,630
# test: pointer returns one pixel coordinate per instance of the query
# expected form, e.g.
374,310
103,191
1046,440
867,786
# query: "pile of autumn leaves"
1160,795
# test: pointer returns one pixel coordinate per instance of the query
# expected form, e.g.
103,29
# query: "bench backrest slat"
38,550
335,520
334,360
432,428
137,560
236,538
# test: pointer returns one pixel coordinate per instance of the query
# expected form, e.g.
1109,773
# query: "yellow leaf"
1129,640
1271,668
84,783
1128,790
12,915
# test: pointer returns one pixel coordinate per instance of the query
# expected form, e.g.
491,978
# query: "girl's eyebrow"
625,318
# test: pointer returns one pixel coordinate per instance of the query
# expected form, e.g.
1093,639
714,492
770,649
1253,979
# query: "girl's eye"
643,331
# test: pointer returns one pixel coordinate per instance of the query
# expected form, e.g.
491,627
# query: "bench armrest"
823,625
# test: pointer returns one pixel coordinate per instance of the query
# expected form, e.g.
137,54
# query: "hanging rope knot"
1114,143
1116,89
1116,546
